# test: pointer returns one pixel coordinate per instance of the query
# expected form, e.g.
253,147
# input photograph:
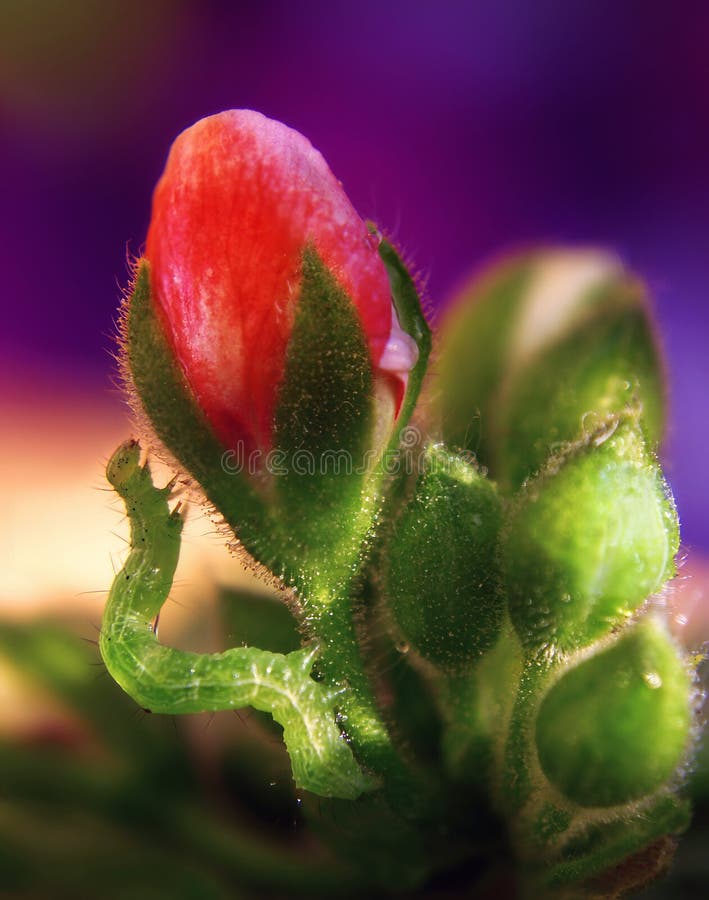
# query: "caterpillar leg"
165,680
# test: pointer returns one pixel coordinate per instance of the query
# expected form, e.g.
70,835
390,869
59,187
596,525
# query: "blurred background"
463,129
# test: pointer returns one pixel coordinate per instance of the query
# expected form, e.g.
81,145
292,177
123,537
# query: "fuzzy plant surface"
486,693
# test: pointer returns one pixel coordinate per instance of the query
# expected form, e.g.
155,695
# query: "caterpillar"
165,680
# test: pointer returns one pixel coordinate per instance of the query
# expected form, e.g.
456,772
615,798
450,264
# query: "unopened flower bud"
589,539
537,351
615,727
262,339
240,202
442,579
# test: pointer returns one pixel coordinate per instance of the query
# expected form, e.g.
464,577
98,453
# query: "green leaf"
590,538
49,655
615,727
391,851
76,854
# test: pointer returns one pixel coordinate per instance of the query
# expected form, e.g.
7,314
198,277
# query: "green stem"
341,666
516,783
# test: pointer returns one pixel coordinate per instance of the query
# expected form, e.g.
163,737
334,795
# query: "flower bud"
240,201
615,727
262,339
441,576
537,351
588,539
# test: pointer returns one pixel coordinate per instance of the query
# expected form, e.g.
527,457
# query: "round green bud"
441,575
616,727
589,539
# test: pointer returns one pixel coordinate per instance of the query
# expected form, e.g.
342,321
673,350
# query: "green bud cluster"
564,406
487,625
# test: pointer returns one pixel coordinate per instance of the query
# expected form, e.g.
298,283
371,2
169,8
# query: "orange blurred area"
63,535
689,602
63,532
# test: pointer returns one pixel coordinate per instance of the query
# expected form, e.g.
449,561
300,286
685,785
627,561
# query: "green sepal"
441,577
324,419
615,727
158,383
331,401
407,305
589,539
601,861
328,418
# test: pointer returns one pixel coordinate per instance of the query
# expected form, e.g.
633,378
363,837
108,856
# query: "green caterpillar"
164,680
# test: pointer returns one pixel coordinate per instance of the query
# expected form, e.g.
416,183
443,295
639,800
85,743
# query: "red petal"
240,198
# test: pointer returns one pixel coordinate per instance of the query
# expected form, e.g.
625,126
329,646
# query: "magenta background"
461,128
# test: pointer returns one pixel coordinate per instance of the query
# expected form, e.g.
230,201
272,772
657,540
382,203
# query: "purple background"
461,128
